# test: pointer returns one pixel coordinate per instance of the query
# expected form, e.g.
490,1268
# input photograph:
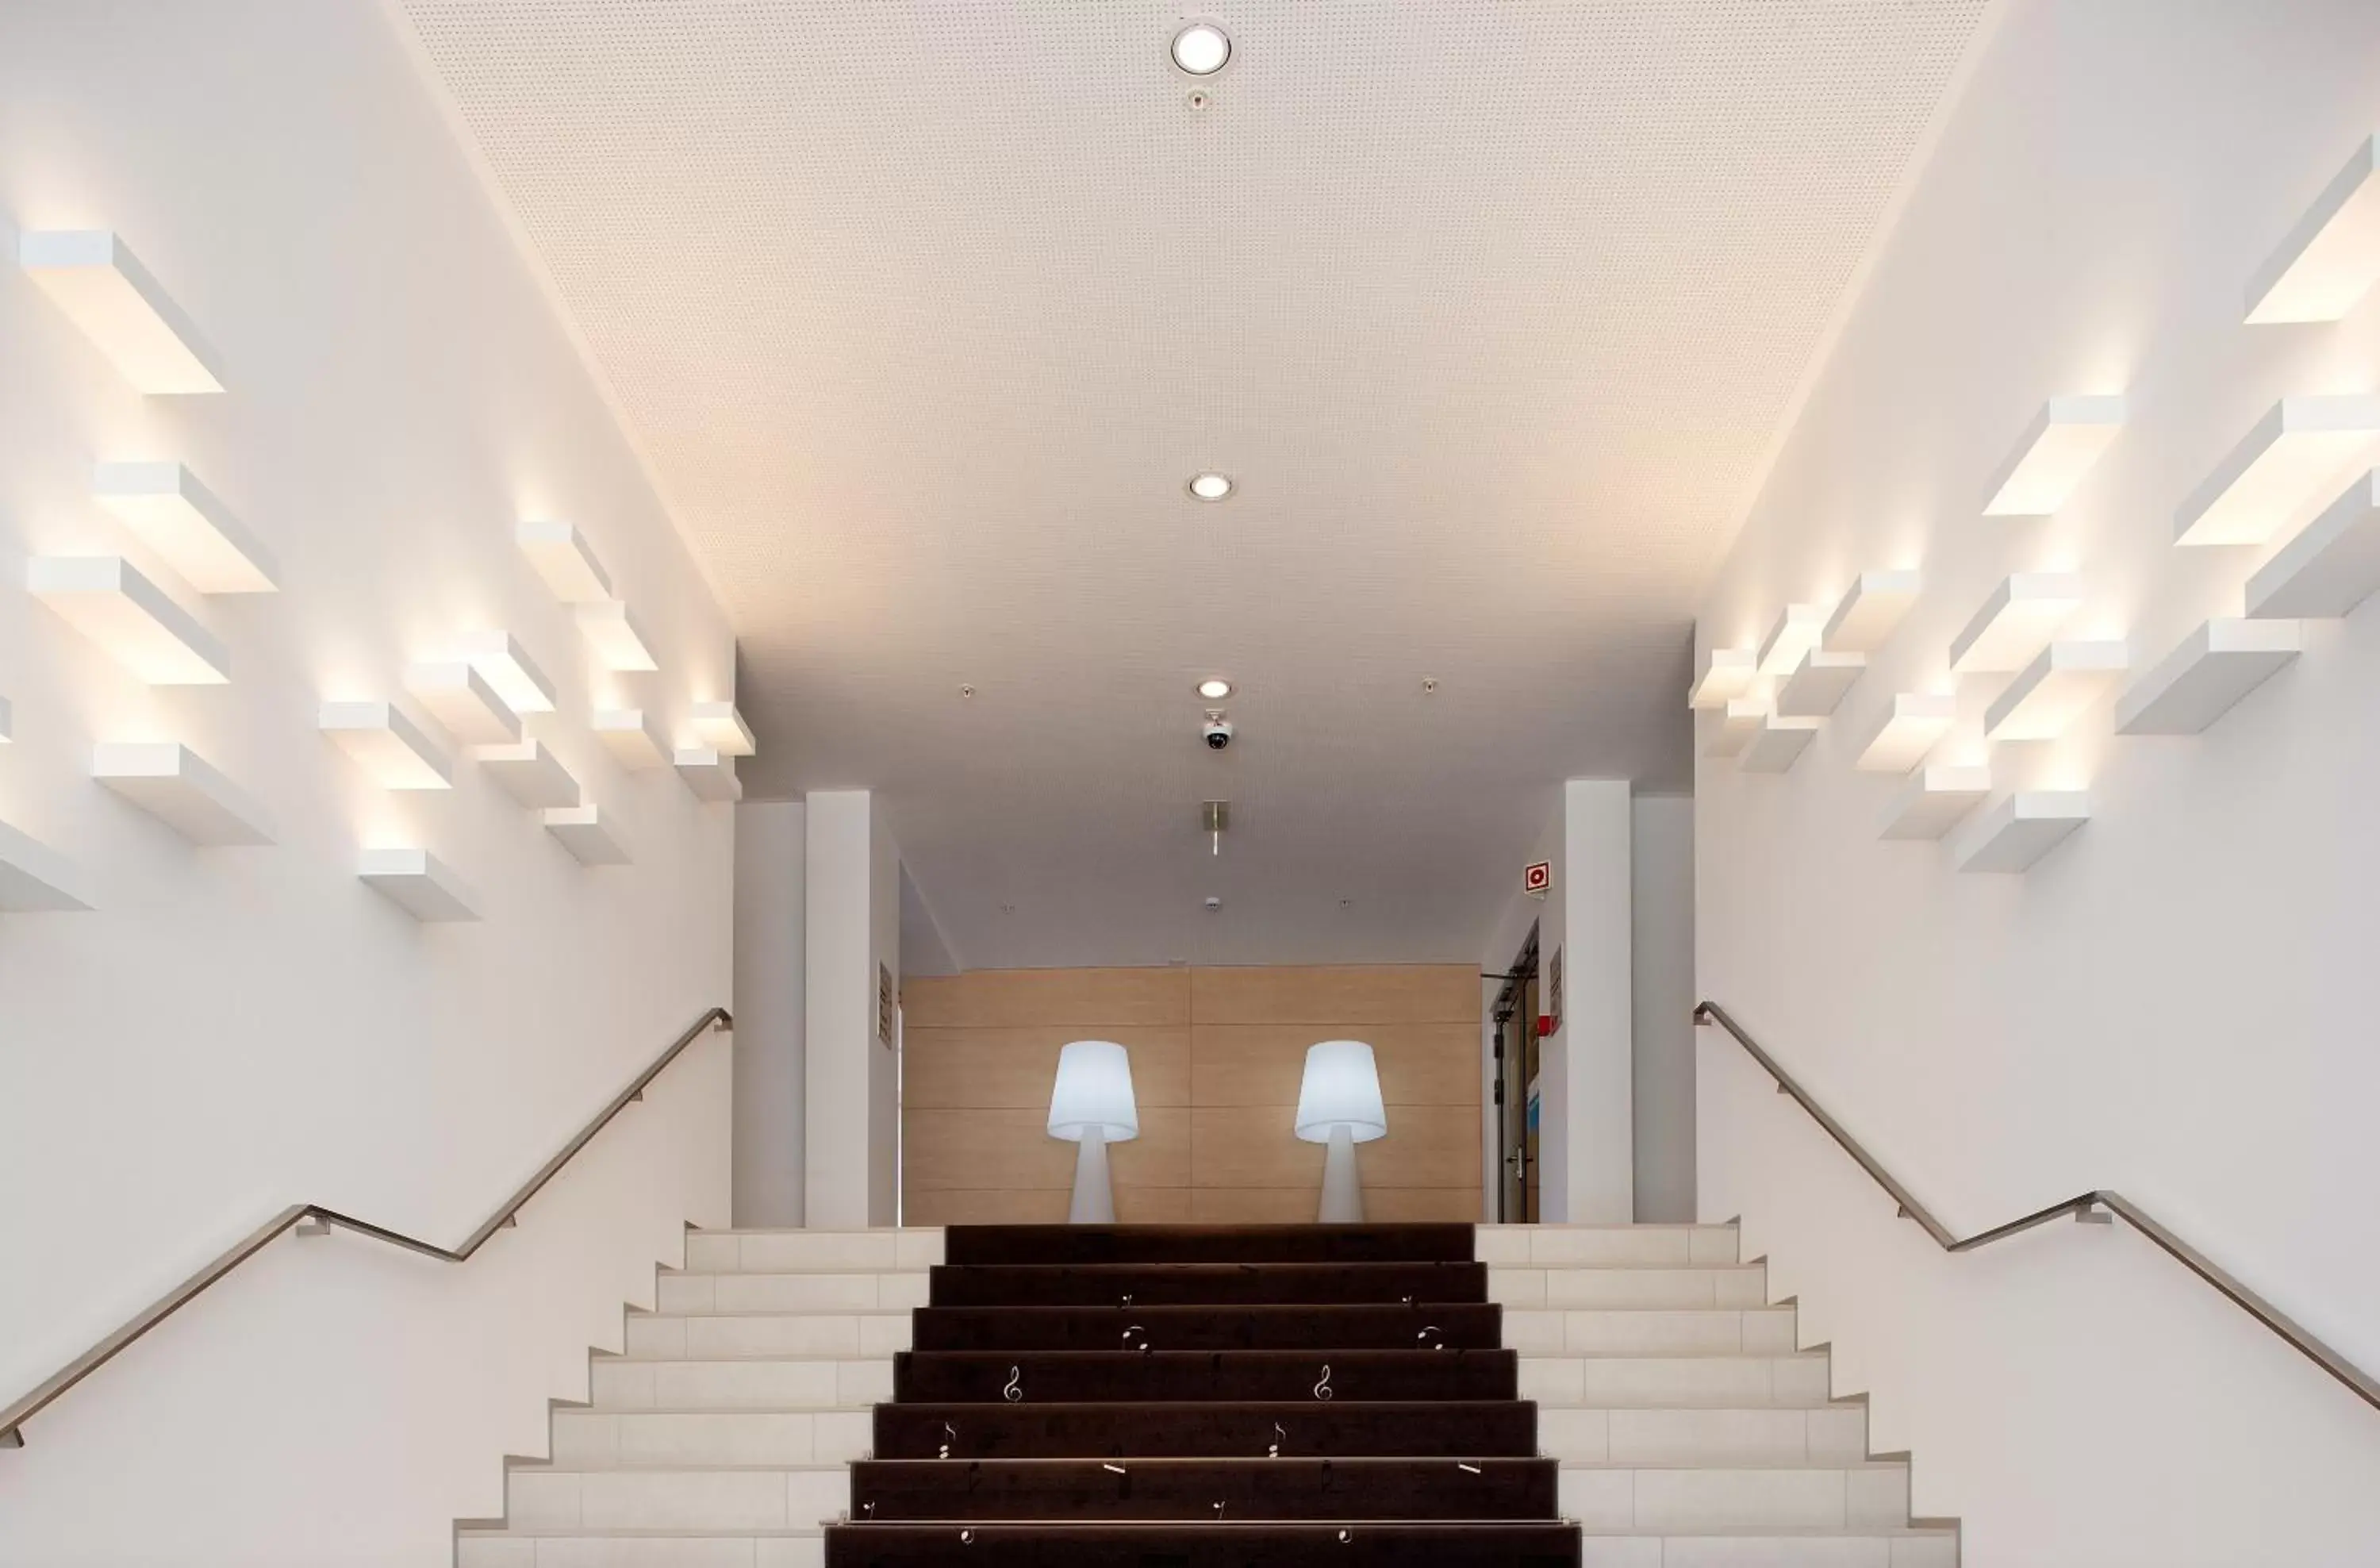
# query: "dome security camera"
1218,731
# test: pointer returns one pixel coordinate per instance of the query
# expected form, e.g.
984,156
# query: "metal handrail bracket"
2089,1206
312,1218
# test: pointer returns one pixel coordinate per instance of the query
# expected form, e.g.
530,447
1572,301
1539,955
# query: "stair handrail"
319,1221
2088,1206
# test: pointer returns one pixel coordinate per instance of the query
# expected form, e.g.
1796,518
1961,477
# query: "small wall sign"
1538,878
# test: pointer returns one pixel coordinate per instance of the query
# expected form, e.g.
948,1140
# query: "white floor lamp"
1092,1105
1339,1104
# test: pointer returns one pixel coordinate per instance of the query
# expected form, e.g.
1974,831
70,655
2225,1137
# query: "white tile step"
1685,1499
592,1439
1833,1433
833,1252
1651,1330
1568,1246
1804,1379
1913,1547
679,1335
739,1382
695,1498
803,1547
1631,1284
810,1291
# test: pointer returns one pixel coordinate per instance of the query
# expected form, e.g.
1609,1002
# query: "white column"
851,1112
770,898
1586,1076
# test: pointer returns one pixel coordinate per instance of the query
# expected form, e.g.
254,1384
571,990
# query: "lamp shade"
1094,1089
1341,1090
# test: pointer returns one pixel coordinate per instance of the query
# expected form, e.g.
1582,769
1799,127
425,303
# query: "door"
1515,1018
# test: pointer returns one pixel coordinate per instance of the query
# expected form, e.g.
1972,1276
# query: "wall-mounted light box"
1913,726
1797,631
35,879
108,601
459,698
587,833
1732,728
1727,675
2331,566
1816,688
710,775
2331,256
2012,835
2299,445
2054,455
387,745
104,290
1933,800
2050,693
1869,612
180,788
1778,744
626,734
529,773
564,558
506,665
420,883
718,726
614,638
2216,665
187,525
2022,613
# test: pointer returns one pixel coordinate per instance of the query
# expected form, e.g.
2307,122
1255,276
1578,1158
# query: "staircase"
1154,1397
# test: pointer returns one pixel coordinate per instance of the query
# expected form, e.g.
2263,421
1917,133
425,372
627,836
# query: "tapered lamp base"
1094,1202
1342,1188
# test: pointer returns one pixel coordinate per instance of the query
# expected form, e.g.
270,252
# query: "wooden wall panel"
1217,1055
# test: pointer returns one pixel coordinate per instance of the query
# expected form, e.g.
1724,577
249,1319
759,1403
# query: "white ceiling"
924,312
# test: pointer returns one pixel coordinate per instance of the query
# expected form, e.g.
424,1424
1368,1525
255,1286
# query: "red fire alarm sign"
1538,878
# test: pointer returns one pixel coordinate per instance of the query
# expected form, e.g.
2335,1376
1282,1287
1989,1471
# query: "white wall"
1661,951
234,1030
770,901
851,1109
2176,1003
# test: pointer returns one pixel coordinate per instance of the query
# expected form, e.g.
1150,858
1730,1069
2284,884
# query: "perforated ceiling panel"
924,312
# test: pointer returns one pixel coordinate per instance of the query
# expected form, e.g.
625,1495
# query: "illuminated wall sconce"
2050,693
2331,256
2301,444
128,616
708,774
420,883
506,665
2214,668
2015,622
35,879
1728,675
2331,566
459,698
624,733
587,833
104,290
1732,730
176,787
718,726
566,561
611,636
2012,835
182,521
1797,632
2055,453
1869,612
1934,801
1816,688
529,773
1913,727
1778,744
386,746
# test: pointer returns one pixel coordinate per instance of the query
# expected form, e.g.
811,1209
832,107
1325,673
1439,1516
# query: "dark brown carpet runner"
1205,1397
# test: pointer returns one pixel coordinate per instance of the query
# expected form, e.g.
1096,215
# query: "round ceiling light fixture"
1201,49
1214,690
1209,487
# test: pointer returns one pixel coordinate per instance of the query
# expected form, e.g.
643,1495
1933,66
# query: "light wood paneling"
1434,1064
1347,994
1012,1069
1217,1096
1019,998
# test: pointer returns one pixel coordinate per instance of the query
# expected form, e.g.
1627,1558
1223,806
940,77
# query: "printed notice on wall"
1553,986
884,1006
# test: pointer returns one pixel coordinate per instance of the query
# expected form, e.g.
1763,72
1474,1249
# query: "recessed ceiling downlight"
1209,487
1201,49
1214,690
